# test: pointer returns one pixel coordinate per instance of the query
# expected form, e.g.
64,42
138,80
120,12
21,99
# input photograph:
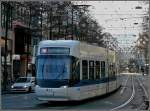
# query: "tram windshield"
54,67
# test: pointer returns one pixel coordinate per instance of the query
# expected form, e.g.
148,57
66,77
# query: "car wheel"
29,90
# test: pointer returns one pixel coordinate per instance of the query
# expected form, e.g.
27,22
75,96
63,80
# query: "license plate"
49,92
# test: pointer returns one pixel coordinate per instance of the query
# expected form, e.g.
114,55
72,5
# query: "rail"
124,86
145,104
128,101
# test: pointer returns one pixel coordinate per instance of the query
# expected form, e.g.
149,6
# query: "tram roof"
78,48
59,42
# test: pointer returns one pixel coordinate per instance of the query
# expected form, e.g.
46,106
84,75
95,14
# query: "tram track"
127,86
129,100
142,86
124,85
145,104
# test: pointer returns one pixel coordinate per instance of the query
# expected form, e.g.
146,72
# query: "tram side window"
97,69
102,69
110,70
84,69
75,73
114,70
91,70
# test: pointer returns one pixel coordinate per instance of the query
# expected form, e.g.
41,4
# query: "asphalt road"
23,101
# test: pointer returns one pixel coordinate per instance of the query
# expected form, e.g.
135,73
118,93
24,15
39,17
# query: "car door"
33,84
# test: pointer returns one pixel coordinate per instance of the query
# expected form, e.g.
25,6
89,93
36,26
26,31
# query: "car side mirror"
32,81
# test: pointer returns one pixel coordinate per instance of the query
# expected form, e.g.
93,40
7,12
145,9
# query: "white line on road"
128,101
15,96
121,92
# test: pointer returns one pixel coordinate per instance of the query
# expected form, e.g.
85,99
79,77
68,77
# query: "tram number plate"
49,92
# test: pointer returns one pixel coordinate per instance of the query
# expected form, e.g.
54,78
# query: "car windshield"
20,80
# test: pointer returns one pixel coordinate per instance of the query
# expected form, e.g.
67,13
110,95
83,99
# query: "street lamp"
8,8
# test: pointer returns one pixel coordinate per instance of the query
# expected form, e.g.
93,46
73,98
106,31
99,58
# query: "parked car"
23,84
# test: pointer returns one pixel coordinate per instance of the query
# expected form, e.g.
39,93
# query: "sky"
118,18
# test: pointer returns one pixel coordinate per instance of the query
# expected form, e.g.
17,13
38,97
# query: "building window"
97,69
103,69
35,41
3,10
91,70
84,69
6,14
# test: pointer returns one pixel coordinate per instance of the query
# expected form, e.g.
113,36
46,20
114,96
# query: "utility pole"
27,33
149,44
72,23
107,60
7,7
59,20
50,32
66,33
41,9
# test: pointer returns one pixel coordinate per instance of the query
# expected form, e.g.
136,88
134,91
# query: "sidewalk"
145,80
7,91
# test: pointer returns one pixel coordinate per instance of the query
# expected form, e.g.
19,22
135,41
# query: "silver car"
23,84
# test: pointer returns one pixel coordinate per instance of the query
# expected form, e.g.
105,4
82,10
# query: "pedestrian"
17,76
142,70
29,74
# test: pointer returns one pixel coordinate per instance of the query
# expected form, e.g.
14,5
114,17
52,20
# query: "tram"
70,70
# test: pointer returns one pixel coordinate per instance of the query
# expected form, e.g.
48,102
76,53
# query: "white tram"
69,70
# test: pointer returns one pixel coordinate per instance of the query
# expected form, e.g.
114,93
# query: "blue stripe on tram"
59,83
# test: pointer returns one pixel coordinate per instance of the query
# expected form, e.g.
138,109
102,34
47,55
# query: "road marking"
108,102
15,96
128,101
121,92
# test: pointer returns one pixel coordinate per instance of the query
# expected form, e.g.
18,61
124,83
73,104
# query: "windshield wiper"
43,70
62,73
43,67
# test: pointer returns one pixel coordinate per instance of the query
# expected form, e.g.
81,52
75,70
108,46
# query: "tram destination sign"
55,50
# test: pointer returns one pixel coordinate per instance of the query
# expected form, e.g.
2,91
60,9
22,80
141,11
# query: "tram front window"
53,70
53,67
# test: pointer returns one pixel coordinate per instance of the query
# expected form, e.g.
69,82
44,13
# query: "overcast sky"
118,18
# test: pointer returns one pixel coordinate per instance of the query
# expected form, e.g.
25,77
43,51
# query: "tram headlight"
12,86
64,86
